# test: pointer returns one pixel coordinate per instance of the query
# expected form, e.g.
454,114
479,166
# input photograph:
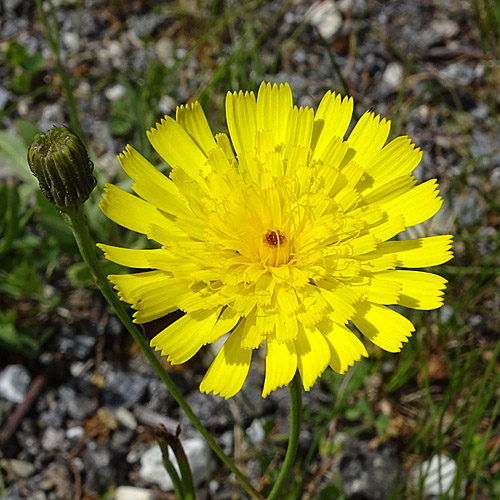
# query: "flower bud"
60,162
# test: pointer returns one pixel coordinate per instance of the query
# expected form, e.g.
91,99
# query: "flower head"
279,235
60,162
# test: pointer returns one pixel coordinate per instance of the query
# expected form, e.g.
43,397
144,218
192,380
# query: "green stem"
169,467
78,222
51,32
293,442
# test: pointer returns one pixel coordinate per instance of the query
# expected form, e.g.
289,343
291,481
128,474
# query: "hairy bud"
60,162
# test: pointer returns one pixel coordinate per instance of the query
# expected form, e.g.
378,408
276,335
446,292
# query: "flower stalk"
295,390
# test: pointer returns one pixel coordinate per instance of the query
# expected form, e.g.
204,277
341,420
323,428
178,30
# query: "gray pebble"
14,383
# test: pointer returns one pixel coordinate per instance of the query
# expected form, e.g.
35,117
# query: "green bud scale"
60,162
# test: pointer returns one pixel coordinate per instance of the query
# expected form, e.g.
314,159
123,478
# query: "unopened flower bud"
60,162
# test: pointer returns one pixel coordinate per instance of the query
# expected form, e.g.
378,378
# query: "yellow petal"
228,371
368,137
130,211
287,328
341,303
386,230
288,301
251,336
383,326
177,148
225,323
225,144
181,340
345,347
385,191
151,184
332,155
130,286
416,205
313,355
398,158
281,365
419,290
273,108
376,289
241,109
332,119
419,252
127,256
192,119
299,128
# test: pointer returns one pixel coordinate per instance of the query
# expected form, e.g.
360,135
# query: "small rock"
438,476
148,417
14,382
82,407
256,432
18,468
393,75
459,73
167,104
131,493
446,28
52,439
352,7
5,97
198,455
71,40
100,471
125,418
368,474
115,92
446,313
214,412
226,441
326,17
124,389
76,432
79,346
495,177
56,477
136,452
12,4
164,50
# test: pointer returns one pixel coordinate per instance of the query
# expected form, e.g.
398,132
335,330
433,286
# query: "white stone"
131,493
198,455
127,419
167,104
393,75
325,16
445,27
115,92
71,40
76,432
437,476
14,382
256,432
18,468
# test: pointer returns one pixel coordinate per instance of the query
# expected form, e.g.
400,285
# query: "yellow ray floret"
286,235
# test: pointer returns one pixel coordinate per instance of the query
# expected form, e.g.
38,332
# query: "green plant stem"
169,467
78,223
51,33
293,441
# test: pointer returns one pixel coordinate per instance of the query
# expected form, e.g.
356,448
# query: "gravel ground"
92,401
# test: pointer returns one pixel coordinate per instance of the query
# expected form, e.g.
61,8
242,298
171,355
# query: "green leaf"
14,152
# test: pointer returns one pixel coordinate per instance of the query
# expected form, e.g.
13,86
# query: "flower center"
274,238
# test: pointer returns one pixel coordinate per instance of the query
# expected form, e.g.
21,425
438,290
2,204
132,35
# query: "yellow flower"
284,244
